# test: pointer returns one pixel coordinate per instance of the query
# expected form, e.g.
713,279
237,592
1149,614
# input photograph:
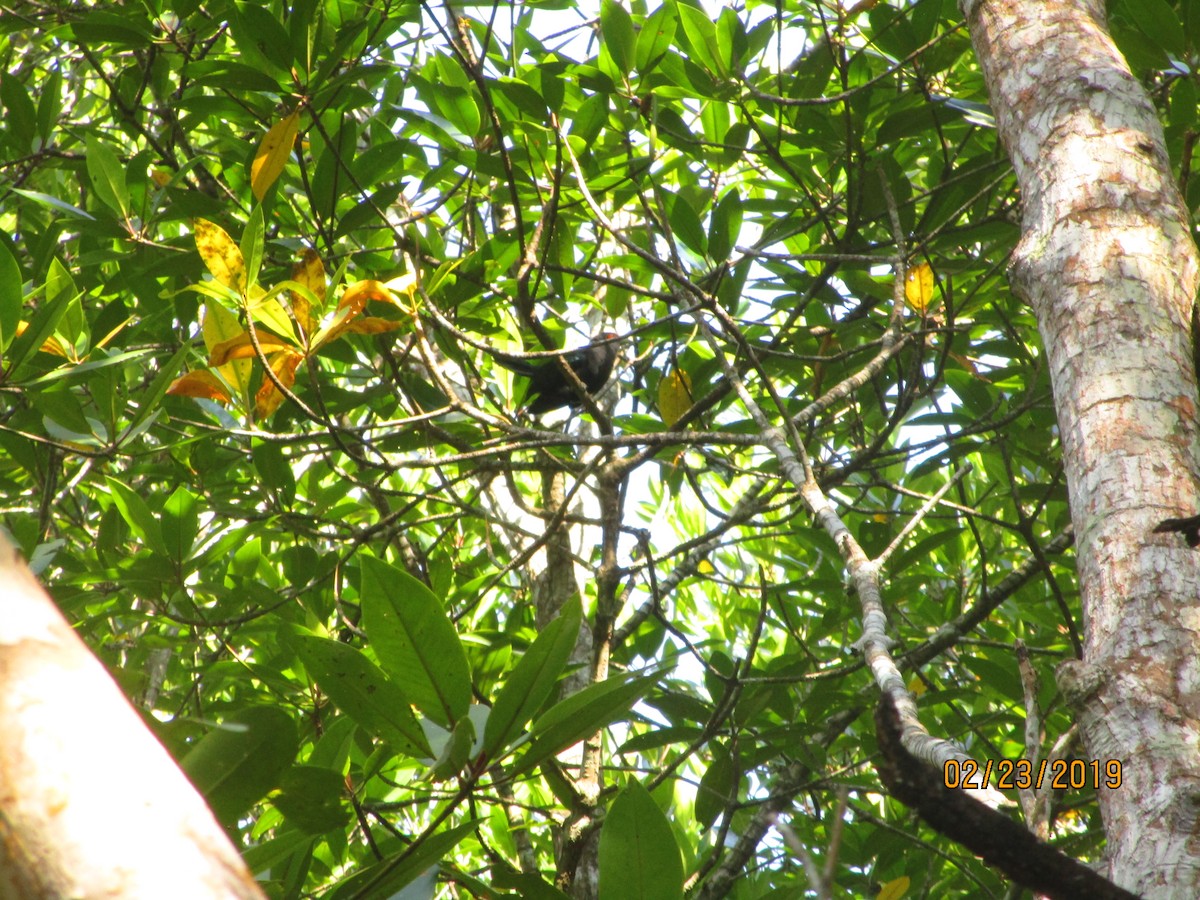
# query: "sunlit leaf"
220,254
918,286
273,153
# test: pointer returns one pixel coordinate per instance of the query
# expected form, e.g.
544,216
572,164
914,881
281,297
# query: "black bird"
1188,527
549,387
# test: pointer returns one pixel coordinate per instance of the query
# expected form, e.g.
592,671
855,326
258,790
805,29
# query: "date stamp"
1020,774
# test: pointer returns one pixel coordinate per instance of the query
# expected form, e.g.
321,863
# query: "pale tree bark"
91,805
1108,264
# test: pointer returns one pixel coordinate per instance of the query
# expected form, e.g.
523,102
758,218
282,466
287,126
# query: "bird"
549,387
1189,527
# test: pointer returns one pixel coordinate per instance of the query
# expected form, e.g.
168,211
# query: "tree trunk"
91,805
1108,264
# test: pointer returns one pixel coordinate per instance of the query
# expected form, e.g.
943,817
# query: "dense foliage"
413,601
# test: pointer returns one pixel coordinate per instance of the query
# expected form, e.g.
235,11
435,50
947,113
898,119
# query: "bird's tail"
520,366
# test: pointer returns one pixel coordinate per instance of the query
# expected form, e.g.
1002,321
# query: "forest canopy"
262,266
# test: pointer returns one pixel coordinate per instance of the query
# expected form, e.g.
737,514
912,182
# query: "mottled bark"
1108,263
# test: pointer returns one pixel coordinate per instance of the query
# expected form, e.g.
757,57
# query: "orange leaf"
220,254
371,325
199,383
368,325
674,396
268,398
241,347
273,154
358,294
918,287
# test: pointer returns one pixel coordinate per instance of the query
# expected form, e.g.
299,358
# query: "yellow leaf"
200,383
918,287
273,154
674,396
894,889
268,398
220,254
161,177
221,325
49,345
268,311
310,272
404,284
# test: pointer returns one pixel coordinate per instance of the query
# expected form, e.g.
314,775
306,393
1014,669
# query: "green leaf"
241,759
701,33
45,318
616,27
685,224
580,715
385,879
10,296
180,523
590,118
731,39
415,641
54,203
529,885
658,31
148,402
639,858
716,786
364,692
533,679
725,227
1159,22
107,175
252,247
20,116
459,108
311,798
260,37
137,514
